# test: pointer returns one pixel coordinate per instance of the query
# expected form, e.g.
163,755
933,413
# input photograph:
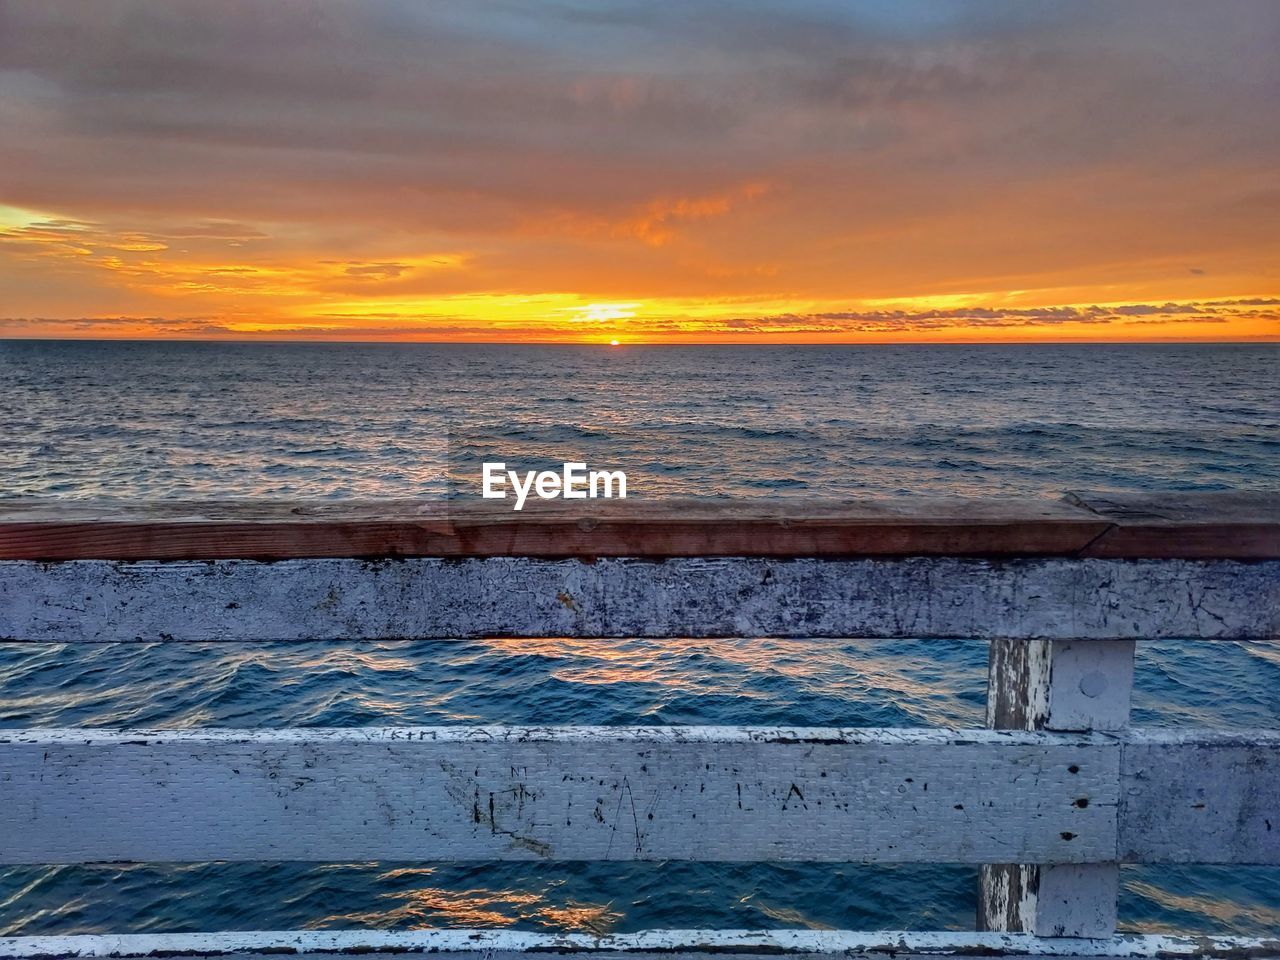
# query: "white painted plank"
497,944
1075,900
1188,798
922,597
594,794
1193,796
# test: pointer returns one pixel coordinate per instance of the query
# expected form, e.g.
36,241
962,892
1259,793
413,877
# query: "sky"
772,171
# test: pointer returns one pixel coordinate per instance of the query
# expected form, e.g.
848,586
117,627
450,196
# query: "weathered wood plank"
50,530
1189,798
1064,685
700,793
1076,899
921,597
1186,524
1165,525
647,945
710,794
1059,685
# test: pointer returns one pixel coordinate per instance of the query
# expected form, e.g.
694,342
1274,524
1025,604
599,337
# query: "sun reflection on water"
431,906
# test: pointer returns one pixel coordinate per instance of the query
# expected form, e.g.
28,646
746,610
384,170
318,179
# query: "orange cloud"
656,223
795,171
562,319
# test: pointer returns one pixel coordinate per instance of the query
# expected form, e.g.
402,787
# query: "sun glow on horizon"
234,280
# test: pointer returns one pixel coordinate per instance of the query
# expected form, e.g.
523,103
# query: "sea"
150,421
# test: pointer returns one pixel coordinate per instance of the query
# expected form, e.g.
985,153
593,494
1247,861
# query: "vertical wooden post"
1068,685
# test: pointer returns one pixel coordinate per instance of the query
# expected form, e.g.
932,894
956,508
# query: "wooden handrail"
1120,526
1050,802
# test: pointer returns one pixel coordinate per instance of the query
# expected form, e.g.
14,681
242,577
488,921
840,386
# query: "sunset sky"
579,171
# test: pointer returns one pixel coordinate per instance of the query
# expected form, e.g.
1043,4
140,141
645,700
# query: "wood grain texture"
443,794
1059,684
919,597
1237,525
646,945
1062,685
1186,524
46,531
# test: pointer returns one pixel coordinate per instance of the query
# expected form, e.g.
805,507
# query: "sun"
613,343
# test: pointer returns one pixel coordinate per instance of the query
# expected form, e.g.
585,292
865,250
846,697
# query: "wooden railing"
1048,802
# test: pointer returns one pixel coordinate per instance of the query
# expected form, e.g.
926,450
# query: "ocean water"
154,421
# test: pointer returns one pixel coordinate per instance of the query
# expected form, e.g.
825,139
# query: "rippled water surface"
202,420
342,420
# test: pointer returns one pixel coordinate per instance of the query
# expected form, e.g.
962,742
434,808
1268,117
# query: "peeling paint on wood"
497,944
702,793
599,794
1059,684
552,734
1074,685
921,597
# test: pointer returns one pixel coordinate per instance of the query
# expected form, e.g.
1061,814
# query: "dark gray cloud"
413,110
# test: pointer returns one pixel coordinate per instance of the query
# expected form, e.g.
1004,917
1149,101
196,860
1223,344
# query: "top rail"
1238,525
